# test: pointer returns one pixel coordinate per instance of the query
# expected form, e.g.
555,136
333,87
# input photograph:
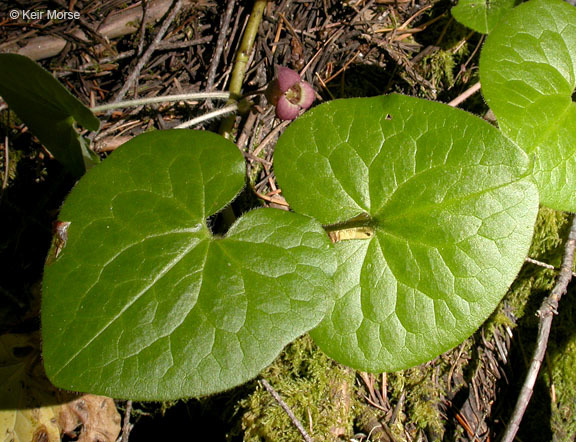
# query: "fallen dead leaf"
32,409
95,416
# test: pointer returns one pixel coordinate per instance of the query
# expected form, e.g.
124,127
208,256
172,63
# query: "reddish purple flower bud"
289,93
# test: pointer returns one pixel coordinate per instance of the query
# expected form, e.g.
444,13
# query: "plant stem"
241,62
164,99
362,220
236,80
246,47
217,113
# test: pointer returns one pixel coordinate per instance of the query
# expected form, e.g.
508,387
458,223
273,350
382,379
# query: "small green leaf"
450,212
47,108
143,302
481,15
528,75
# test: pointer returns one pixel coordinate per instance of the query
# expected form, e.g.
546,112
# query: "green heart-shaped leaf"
48,109
528,75
446,209
143,302
481,15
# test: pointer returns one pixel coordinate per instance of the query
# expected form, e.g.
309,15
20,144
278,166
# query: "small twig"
285,407
251,156
545,265
170,45
470,57
397,408
444,30
540,263
326,44
224,25
546,313
465,95
231,108
384,388
280,202
142,30
343,68
95,67
462,42
6,167
6,163
132,78
270,137
164,99
126,426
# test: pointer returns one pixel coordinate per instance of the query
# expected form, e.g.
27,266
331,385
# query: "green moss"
318,390
549,235
439,67
562,376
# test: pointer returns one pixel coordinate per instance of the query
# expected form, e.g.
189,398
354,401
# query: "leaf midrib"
175,261
425,209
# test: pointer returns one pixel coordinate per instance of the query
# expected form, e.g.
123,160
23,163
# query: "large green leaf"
481,15
528,75
450,209
48,109
143,302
